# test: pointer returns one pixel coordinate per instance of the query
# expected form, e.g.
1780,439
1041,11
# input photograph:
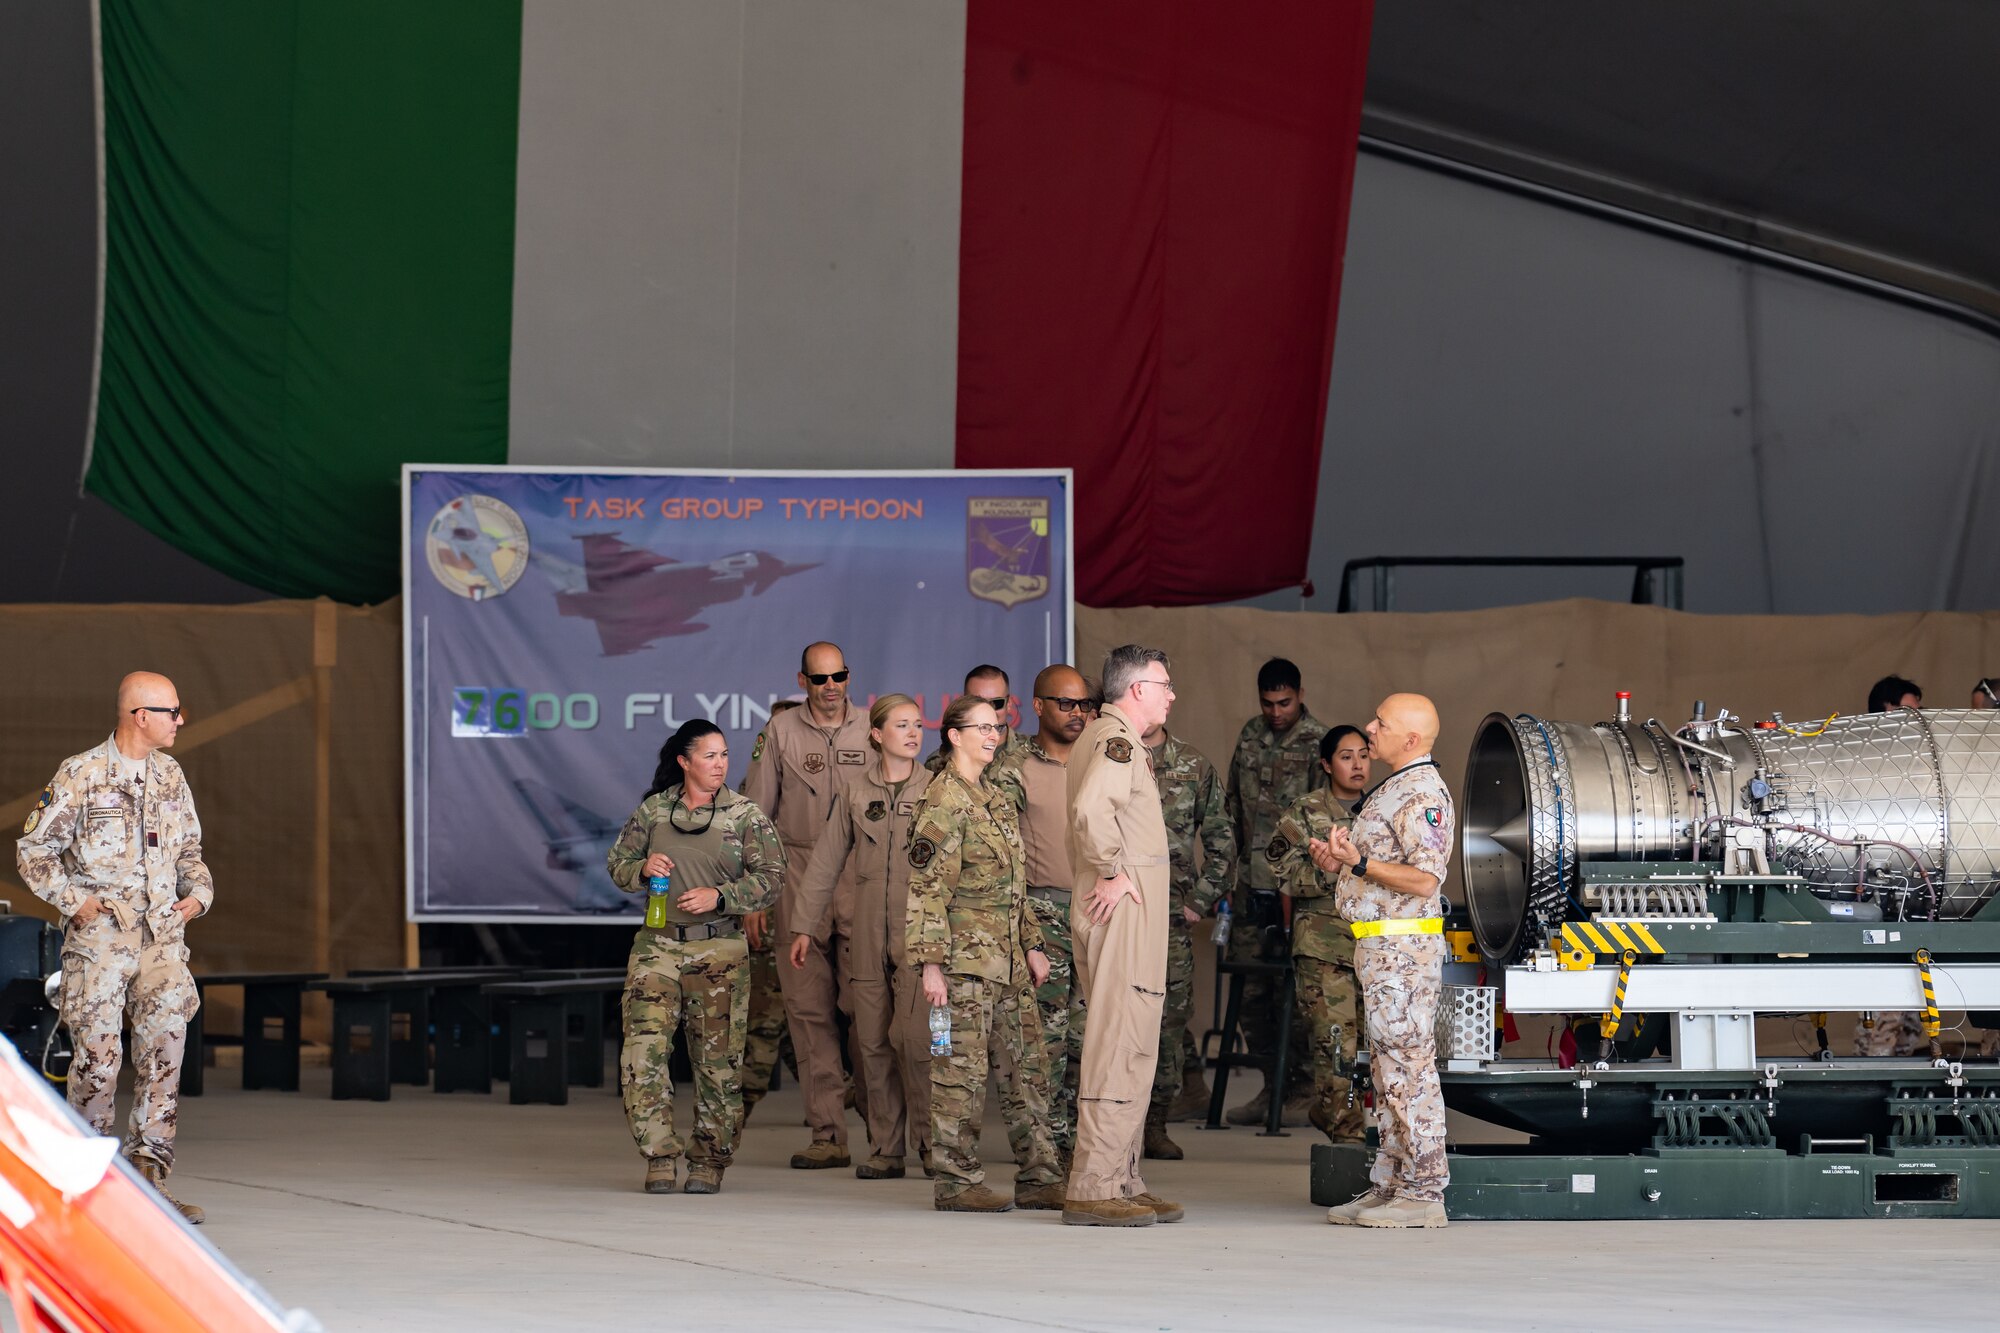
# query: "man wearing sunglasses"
798,765
114,846
988,684
1033,778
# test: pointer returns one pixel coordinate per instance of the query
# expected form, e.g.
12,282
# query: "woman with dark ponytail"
724,860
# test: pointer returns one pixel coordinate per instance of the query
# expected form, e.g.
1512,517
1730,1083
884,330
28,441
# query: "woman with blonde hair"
867,836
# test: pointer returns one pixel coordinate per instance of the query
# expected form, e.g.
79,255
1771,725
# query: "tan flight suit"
794,775
869,832
1116,824
1039,788
137,848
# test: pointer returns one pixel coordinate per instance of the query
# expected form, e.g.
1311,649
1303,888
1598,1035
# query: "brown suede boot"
156,1176
1158,1145
878,1167
1163,1211
703,1178
1107,1213
1039,1197
1191,1103
819,1155
977,1199
660,1175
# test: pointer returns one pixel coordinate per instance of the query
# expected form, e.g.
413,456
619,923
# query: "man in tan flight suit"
795,772
1118,846
1034,777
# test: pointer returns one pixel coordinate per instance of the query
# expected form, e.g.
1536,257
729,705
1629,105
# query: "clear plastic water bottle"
940,1031
656,900
1220,936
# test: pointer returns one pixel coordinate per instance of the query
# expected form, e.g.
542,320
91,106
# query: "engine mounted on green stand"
1663,890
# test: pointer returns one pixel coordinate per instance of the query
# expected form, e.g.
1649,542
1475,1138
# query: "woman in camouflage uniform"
969,931
1322,942
868,834
726,861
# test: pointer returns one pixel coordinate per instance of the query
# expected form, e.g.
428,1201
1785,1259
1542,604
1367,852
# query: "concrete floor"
464,1212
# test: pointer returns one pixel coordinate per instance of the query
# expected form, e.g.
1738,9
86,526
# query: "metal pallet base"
1526,1182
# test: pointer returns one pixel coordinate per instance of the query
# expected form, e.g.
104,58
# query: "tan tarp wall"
247,676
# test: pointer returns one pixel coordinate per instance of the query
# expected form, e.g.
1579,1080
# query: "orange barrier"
85,1244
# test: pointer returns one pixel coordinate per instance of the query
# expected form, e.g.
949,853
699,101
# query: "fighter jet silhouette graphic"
578,839
635,596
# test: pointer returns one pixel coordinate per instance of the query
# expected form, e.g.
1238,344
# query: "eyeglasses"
995,704
673,813
174,712
822,677
984,728
1168,685
1064,704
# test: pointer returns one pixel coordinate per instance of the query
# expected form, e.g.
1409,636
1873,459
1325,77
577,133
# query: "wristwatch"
1361,867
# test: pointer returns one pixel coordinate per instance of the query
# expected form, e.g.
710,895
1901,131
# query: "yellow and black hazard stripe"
1608,937
1932,1023
1607,1026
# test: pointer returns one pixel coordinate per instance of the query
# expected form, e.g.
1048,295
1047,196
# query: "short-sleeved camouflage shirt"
1408,819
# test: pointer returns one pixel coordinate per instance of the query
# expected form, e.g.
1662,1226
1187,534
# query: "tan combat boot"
1039,1198
1107,1213
703,1178
1402,1213
1158,1145
1297,1112
1163,1211
660,1174
1343,1214
819,1155
977,1199
1252,1112
879,1167
156,1176
1191,1103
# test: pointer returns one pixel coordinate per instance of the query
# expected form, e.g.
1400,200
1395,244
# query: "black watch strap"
1361,866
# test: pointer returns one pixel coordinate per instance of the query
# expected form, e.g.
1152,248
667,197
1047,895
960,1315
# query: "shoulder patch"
1276,851
1433,815
878,810
922,852
757,750
42,803
1118,750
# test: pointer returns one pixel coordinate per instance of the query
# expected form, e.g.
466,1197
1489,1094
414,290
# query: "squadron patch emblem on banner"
1118,750
477,547
922,852
1007,552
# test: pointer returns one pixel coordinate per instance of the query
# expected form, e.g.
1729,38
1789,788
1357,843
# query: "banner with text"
560,625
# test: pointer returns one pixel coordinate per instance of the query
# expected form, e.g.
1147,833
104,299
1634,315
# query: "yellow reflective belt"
1426,925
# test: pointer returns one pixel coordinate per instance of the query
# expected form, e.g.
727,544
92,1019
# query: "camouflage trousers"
1401,984
703,984
109,975
1062,1020
1893,1034
1328,998
997,1026
765,1032
1176,1042
1263,997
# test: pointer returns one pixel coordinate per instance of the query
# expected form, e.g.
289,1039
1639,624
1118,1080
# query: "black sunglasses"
996,704
1063,703
822,677
174,712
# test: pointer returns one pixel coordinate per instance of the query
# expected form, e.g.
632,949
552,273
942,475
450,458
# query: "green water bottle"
656,900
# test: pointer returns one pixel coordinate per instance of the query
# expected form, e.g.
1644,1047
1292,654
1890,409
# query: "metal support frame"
1656,580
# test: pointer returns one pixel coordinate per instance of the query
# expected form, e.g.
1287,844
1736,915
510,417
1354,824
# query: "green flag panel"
309,217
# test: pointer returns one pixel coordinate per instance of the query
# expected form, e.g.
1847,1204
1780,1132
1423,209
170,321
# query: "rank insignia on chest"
877,811
1118,750
922,852
1276,851
814,763
1433,816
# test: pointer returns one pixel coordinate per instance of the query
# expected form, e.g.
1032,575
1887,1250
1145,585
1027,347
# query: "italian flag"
757,233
